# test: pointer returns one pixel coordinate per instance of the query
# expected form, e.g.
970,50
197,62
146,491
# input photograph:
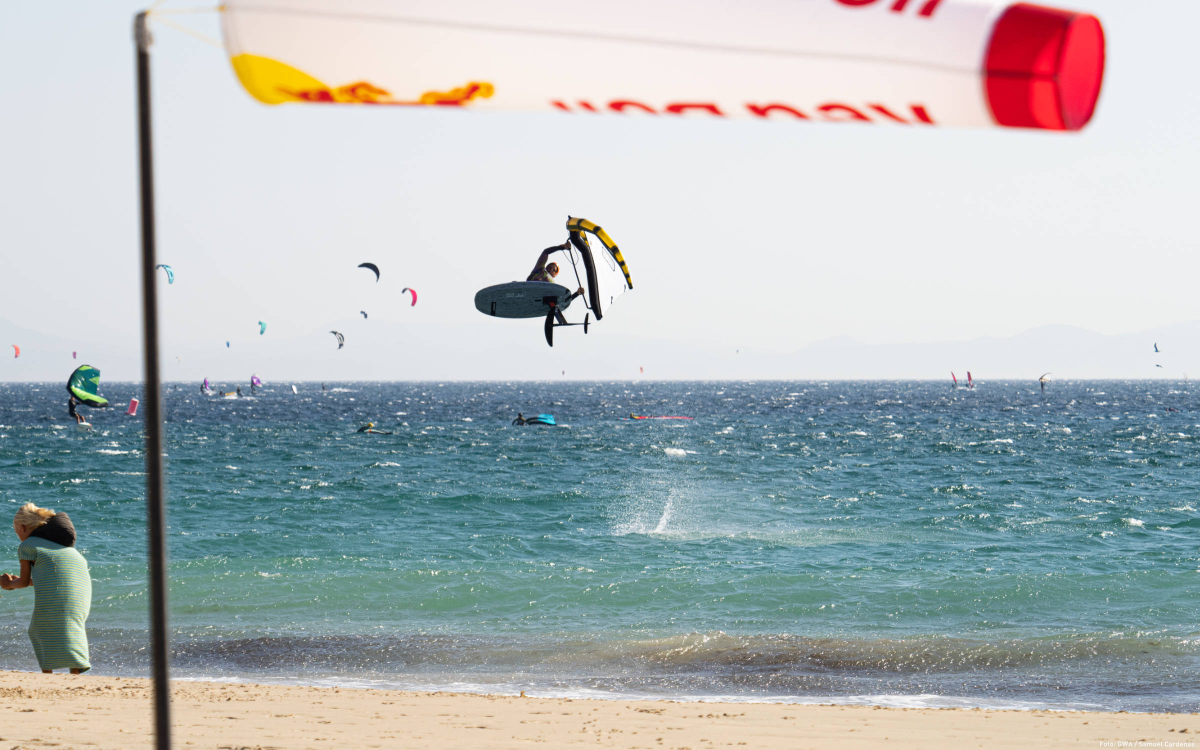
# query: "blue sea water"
897,543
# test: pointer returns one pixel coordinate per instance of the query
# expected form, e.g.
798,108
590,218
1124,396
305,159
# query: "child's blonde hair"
31,517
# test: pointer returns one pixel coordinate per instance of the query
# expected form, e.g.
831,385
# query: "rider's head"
552,269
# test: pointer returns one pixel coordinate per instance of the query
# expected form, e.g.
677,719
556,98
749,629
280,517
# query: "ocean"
890,543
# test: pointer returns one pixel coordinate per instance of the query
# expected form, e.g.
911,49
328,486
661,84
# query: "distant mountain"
515,350
1066,351
48,357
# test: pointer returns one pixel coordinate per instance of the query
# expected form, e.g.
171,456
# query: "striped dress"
62,599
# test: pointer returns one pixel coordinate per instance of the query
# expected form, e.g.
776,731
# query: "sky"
763,238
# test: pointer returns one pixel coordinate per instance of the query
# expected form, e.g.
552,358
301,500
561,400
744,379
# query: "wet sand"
61,711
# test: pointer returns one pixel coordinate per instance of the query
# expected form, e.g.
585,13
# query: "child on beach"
62,588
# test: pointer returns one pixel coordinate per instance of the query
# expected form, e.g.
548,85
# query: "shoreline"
115,712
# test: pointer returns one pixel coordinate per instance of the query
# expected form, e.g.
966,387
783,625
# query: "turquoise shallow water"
884,542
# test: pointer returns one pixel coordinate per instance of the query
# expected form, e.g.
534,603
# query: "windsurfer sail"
1043,380
955,385
970,382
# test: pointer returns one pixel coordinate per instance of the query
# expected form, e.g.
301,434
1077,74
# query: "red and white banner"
901,62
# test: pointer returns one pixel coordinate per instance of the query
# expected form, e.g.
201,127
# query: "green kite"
84,384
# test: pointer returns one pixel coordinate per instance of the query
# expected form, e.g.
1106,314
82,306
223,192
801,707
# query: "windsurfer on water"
547,272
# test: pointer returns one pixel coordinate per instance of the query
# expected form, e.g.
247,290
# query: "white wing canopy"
913,62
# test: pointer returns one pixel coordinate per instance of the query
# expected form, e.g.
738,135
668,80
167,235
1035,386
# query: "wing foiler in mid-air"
603,278
918,63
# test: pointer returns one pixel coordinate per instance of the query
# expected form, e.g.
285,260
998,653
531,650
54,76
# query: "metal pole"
156,513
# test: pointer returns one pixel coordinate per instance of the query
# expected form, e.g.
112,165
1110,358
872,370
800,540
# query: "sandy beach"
42,711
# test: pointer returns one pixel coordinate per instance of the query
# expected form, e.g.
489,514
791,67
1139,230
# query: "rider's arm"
541,264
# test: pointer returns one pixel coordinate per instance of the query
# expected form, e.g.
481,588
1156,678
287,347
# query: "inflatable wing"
603,288
899,62
84,385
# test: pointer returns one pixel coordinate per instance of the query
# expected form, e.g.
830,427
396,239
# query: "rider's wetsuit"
539,272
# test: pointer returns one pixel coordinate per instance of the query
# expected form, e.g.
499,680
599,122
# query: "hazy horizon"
758,238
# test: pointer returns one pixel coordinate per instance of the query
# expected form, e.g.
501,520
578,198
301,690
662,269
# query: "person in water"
71,410
520,420
544,271
239,391
367,427
62,588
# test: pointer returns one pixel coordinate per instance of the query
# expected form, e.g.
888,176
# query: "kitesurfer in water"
367,427
547,272
520,420
71,410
